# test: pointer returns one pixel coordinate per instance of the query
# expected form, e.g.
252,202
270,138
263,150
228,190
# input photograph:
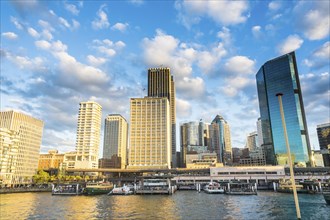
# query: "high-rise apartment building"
161,84
88,135
115,138
220,139
323,134
280,75
150,133
20,142
252,141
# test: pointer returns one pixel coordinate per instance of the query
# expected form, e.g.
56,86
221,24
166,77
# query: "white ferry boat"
124,190
214,187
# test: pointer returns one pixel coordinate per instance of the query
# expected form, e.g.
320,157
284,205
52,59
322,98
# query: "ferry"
67,189
285,186
239,188
214,188
124,190
155,186
98,188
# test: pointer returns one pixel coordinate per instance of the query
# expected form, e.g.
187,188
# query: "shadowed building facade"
323,134
280,75
115,138
161,84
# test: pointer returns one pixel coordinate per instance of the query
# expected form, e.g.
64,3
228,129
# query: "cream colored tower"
161,84
88,135
115,138
20,145
150,133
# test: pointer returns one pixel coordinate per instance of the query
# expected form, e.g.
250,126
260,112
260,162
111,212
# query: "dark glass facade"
280,75
323,134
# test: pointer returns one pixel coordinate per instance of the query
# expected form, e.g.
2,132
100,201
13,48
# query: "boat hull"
96,191
214,191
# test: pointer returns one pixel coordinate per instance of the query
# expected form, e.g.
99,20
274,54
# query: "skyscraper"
221,139
115,138
20,142
252,141
323,134
161,84
280,75
88,135
194,137
150,133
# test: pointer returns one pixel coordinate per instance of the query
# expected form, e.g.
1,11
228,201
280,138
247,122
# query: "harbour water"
181,205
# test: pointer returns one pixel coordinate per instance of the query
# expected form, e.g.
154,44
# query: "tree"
41,177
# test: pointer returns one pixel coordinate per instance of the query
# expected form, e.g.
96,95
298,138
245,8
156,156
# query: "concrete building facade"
150,133
161,84
22,136
115,138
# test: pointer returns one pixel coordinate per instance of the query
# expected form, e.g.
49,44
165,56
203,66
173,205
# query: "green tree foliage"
41,177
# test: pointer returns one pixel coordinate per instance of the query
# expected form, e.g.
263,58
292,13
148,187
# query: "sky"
56,54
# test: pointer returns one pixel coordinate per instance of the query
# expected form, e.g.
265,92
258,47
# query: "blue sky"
56,54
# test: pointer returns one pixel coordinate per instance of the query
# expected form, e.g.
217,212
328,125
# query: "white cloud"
225,35
167,50
274,5
240,65
47,34
75,24
95,61
33,32
256,31
73,73
71,8
222,12
120,27
64,22
191,88
45,25
137,2
101,21
108,47
10,35
323,51
17,24
291,43
313,19
183,108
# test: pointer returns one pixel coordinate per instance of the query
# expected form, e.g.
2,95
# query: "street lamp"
279,95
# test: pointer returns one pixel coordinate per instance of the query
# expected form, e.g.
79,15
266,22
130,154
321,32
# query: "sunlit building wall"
51,160
252,141
88,135
8,156
161,84
150,133
115,138
28,132
280,75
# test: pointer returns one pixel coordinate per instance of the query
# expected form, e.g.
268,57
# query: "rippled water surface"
181,205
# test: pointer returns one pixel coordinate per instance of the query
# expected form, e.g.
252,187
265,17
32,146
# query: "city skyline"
78,51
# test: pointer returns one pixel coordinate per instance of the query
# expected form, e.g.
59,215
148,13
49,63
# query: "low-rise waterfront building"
51,160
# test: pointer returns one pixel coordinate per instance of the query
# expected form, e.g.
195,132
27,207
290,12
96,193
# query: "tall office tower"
88,135
259,133
150,133
323,134
252,141
161,84
193,135
221,139
20,146
280,75
115,138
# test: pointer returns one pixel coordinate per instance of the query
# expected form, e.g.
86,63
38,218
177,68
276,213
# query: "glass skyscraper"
280,75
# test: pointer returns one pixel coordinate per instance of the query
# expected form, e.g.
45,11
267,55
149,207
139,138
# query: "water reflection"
181,205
